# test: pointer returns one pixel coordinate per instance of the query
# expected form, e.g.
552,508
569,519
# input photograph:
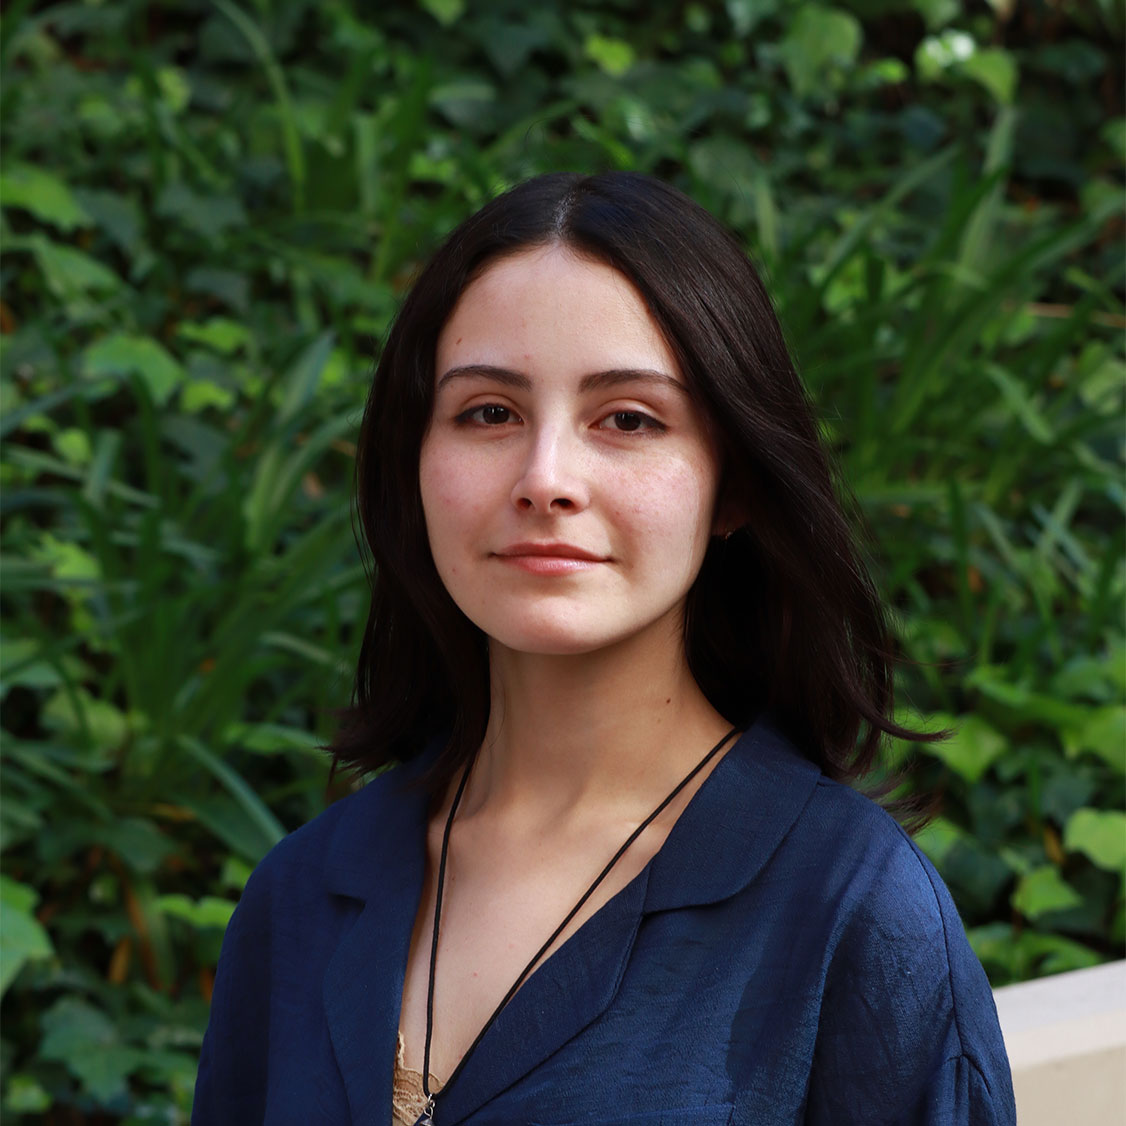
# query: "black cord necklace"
426,1118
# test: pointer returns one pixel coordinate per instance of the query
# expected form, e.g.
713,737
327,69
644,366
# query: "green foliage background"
209,212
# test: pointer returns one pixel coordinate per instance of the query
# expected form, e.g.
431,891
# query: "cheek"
452,495
675,501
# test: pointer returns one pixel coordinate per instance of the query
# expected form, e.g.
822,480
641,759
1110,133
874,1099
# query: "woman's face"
568,480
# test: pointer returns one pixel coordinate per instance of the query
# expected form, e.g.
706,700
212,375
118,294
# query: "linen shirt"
788,956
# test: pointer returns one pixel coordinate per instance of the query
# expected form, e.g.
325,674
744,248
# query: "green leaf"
22,937
235,873
198,394
1100,834
1043,890
819,40
746,15
446,12
260,821
67,560
24,1094
1027,953
137,841
209,216
1021,404
996,70
123,354
73,446
69,272
1101,731
270,738
464,100
302,380
85,1039
937,13
612,56
210,912
77,714
44,195
220,334
23,662
971,749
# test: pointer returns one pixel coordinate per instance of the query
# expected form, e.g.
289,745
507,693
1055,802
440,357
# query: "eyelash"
647,422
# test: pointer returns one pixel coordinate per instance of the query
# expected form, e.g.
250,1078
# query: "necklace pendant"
426,1118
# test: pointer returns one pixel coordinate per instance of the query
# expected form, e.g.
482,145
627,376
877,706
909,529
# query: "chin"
551,645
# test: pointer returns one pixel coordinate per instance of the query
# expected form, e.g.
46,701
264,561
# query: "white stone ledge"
1066,1039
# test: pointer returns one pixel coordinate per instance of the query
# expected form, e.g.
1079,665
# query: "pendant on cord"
426,1118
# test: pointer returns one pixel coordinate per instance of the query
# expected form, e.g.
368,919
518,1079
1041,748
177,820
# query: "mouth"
549,558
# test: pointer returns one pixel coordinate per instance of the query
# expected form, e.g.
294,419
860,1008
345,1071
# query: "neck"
588,732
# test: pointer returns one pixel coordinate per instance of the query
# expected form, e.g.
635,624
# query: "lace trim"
407,1099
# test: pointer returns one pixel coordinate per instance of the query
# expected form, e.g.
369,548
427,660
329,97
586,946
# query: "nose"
551,479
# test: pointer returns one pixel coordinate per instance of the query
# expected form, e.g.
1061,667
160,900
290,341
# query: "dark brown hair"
783,615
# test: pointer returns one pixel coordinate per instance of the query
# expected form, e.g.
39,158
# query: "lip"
549,558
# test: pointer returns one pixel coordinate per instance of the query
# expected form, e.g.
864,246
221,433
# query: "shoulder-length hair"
783,614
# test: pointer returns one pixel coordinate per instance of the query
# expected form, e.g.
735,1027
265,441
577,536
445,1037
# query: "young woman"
621,655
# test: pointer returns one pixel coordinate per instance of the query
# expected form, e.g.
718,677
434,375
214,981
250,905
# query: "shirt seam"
962,1052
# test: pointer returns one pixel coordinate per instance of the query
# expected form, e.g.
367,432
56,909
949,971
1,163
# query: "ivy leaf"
77,713
84,1038
612,56
69,272
136,840
1043,890
971,749
221,334
818,40
996,70
1102,731
446,12
1100,834
45,196
209,216
22,664
22,937
208,912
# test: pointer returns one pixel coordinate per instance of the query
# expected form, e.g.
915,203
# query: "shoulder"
328,853
881,874
906,1005
894,917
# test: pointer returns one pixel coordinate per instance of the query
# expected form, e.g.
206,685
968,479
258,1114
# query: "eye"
629,422
489,414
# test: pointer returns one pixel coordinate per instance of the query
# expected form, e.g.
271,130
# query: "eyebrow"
593,382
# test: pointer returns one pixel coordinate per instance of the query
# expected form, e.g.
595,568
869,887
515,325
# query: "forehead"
551,305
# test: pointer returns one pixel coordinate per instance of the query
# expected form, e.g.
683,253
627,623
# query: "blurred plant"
209,211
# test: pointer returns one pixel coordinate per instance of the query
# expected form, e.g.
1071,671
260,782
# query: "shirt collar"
727,833
735,821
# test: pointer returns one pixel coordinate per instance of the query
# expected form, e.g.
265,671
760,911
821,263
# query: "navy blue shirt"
788,956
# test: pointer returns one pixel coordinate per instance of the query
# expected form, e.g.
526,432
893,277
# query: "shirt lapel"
561,998
725,836
734,823
376,857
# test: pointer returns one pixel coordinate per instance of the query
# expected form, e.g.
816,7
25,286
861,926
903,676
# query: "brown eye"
491,414
630,422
